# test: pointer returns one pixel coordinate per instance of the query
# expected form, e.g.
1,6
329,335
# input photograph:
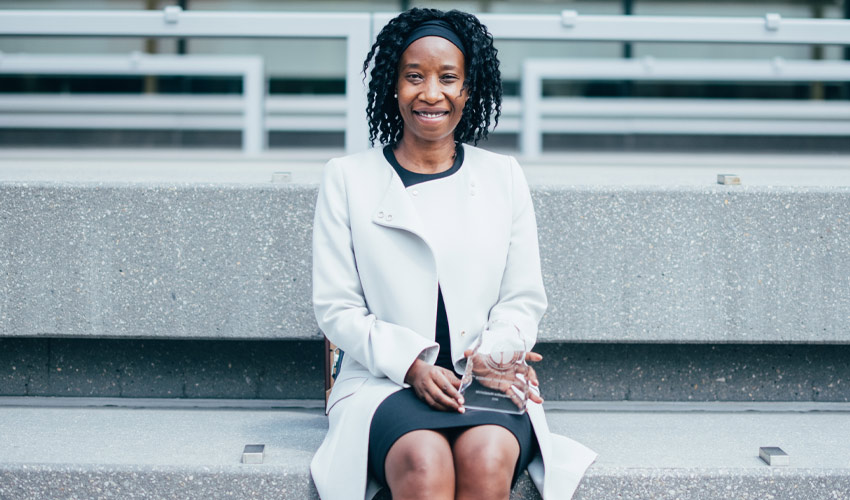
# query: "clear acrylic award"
495,376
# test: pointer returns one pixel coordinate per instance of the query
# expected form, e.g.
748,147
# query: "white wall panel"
284,58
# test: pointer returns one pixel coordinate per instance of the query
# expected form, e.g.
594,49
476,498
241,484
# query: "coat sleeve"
385,349
522,299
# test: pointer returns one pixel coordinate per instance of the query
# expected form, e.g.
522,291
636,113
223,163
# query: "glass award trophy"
495,376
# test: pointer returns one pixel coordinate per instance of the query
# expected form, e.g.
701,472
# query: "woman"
416,245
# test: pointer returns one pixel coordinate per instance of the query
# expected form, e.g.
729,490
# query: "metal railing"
249,68
358,31
312,113
173,22
679,116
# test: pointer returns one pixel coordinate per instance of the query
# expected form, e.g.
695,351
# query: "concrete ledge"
36,482
272,370
173,453
622,262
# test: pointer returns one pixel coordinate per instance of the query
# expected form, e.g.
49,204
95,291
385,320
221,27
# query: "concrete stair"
646,450
155,318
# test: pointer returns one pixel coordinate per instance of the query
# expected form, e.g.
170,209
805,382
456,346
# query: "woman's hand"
521,376
531,376
436,386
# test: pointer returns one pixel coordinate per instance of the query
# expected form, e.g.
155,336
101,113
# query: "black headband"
435,27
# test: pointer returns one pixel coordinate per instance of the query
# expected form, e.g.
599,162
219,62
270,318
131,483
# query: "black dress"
403,411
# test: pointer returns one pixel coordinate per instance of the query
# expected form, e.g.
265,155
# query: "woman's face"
430,89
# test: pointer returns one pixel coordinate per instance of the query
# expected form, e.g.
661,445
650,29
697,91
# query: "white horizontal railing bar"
334,105
127,103
659,29
120,122
582,125
177,103
162,121
327,113
670,126
190,24
308,104
133,64
151,112
670,29
306,123
649,68
195,23
692,108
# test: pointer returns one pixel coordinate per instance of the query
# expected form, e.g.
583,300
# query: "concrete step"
650,253
659,452
268,369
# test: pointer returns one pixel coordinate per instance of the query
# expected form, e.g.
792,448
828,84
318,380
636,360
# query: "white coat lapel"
396,210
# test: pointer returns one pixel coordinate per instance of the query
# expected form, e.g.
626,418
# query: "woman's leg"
419,466
485,459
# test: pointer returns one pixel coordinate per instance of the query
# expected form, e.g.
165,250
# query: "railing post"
358,41
531,134
253,94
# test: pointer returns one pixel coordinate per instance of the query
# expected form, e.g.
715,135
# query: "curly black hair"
483,81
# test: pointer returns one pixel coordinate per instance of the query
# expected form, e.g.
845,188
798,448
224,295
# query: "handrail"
173,22
250,68
534,71
769,29
358,30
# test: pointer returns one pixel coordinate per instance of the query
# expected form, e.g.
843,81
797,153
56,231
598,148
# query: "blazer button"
389,217
463,332
380,215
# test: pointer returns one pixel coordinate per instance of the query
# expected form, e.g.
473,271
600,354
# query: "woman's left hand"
531,376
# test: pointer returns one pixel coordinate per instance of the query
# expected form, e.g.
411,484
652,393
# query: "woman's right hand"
436,386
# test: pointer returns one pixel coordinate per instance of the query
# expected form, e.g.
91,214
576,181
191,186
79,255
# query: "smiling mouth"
430,114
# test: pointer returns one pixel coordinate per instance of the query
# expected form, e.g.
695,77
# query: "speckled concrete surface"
622,263
263,369
155,368
687,372
145,453
34,482
720,264
196,261
720,484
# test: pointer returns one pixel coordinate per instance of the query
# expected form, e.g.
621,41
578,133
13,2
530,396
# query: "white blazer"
377,260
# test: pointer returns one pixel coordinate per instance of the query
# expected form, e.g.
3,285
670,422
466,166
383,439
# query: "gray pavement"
698,440
654,454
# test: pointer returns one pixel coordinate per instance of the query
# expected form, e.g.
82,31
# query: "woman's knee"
420,461
486,451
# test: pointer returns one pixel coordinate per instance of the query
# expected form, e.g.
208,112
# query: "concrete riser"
38,482
620,264
294,370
